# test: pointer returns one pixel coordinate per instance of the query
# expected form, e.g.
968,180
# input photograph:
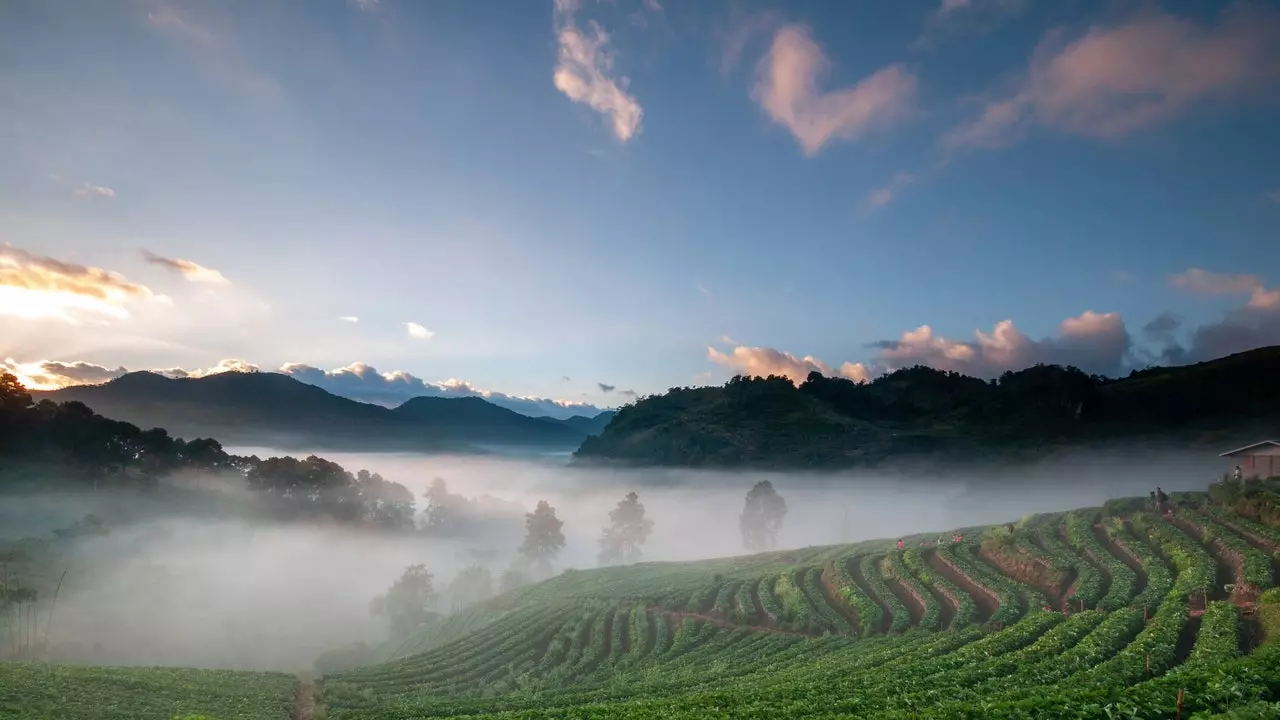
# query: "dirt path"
886,619
832,595
915,606
304,703
678,617
947,606
986,601
1256,541
1031,579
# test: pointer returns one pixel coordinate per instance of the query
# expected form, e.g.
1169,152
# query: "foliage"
832,422
628,529
408,603
762,517
68,692
543,538
473,585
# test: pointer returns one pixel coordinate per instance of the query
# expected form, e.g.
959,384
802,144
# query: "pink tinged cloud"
186,268
91,191
884,195
1117,80
35,287
583,66
787,89
763,362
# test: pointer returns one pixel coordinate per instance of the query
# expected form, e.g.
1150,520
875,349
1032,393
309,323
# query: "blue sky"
635,194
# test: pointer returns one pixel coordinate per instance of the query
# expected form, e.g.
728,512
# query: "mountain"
593,425
944,416
476,418
271,409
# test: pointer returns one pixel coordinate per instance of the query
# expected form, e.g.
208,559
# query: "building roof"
1250,447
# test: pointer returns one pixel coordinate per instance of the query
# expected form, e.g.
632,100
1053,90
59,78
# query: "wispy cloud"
741,30
606,388
215,53
628,393
366,5
36,287
186,268
884,195
584,64
417,331
349,319
787,89
1253,325
1117,80
51,375
94,191
702,289
1274,197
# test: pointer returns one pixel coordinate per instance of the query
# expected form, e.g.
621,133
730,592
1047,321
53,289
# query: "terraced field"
1076,615
1085,614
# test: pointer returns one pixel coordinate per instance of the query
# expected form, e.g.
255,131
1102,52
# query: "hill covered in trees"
262,408
919,411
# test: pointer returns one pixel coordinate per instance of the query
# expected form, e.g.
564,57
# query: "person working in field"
899,543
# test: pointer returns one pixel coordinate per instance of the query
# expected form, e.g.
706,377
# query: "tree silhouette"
409,603
621,541
474,584
543,539
761,518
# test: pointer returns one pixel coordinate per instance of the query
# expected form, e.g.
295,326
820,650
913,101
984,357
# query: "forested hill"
921,412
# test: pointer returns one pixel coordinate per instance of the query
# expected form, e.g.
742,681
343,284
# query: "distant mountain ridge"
264,408
941,416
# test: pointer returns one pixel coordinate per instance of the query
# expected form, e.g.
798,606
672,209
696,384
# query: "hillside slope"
921,412
275,409
1096,613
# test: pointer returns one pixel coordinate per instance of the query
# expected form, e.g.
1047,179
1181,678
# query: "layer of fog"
214,588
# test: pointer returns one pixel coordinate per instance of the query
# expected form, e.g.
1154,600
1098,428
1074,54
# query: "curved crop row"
1196,569
868,610
1006,591
1159,579
1089,582
897,567
768,601
744,603
725,600
1124,582
825,615
900,619
1256,564
1219,635
795,606
966,608
1265,533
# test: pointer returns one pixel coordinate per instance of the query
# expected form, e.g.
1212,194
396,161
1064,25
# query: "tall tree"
473,585
543,539
761,518
409,603
621,541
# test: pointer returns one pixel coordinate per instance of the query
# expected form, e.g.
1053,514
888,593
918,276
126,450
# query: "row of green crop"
1159,578
868,610
826,617
1257,564
1123,580
966,609
899,618
1010,608
1219,636
1264,533
1089,582
796,610
1196,569
895,566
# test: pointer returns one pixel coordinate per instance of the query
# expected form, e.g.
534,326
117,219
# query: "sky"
568,204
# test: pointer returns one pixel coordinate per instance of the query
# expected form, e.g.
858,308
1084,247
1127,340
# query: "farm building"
1261,459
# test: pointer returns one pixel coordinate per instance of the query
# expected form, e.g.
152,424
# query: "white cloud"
51,375
366,5
363,382
884,195
224,366
787,89
417,331
349,319
763,362
1117,80
1204,282
583,66
88,190
187,269
35,287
